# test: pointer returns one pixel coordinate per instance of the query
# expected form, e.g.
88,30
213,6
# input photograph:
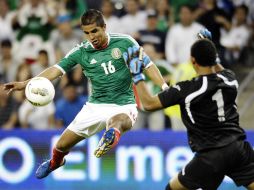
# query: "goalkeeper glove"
205,34
133,52
136,67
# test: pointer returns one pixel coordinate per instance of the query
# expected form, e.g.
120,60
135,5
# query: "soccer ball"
39,91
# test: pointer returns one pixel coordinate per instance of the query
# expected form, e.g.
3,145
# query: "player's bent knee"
120,121
126,127
168,187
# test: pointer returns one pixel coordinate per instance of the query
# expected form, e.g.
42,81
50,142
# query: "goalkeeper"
210,115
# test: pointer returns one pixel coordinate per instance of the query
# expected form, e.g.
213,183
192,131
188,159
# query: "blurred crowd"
35,34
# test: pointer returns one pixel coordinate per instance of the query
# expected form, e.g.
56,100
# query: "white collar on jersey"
107,43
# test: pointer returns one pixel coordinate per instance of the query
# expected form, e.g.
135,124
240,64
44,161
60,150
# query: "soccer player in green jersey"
111,104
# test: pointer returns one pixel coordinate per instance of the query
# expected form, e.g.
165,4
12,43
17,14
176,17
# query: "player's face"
95,34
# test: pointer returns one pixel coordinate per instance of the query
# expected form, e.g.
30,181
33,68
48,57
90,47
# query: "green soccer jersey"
109,75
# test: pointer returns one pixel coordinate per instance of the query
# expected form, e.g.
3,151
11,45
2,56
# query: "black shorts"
207,169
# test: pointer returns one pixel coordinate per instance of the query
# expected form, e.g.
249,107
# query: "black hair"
43,51
244,7
108,1
6,43
92,16
204,51
188,6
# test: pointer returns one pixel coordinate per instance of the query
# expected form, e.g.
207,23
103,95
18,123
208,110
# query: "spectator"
40,118
23,73
8,112
247,54
34,17
74,77
152,35
250,5
8,64
147,4
75,8
112,21
206,14
177,4
235,36
6,21
165,15
41,63
181,36
68,106
134,20
34,23
92,4
65,36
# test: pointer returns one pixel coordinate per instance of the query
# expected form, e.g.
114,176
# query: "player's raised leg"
117,125
67,140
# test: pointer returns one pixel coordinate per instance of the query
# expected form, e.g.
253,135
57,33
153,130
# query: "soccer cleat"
109,139
44,169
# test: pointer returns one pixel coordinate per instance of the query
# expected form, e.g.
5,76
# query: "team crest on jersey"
116,53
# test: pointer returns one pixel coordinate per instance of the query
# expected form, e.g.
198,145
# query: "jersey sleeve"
176,94
71,59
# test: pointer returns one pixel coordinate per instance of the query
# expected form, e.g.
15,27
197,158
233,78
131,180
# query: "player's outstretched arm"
152,70
50,73
149,102
154,74
11,86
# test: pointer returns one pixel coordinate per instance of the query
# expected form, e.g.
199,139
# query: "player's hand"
134,52
12,86
136,67
204,34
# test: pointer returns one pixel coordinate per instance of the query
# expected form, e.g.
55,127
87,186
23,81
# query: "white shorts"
92,118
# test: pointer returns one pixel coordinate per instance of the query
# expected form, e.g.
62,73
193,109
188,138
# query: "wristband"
137,78
164,86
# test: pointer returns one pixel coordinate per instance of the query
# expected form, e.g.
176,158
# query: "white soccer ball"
39,91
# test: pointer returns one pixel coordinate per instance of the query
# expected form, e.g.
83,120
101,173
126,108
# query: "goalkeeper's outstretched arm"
151,70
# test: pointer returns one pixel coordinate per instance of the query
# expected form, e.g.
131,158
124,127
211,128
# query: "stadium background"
147,157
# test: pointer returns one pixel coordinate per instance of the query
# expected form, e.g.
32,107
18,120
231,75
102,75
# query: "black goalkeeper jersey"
208,109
